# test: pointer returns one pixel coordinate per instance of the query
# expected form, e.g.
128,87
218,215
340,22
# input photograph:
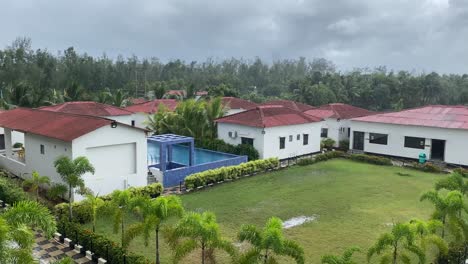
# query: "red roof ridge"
105,107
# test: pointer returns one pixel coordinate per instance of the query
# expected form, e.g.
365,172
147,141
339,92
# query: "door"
438,149
358,140
2,141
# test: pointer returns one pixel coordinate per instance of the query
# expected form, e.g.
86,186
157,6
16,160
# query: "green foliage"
462,171
36,182
229,173
82,212
17,145
220,145
152,190
327,143
267,243
376,160
56,191
10,193
427,167
346,258
343,145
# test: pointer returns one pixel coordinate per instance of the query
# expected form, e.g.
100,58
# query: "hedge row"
98,244
220,145
371,159
462,171
339,154
320,157
231,172
426,167
82,212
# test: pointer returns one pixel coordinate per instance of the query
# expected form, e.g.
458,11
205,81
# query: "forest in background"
33,78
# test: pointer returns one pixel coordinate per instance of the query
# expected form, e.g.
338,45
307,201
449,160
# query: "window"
376,138
42,149
298,137
133,122
290,138
230,134
349,131
282,142
324,133
305,139
415,142
248,141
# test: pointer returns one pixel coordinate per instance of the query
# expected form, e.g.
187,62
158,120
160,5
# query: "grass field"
354,203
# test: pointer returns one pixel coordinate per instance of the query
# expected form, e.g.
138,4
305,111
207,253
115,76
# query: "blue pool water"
180,154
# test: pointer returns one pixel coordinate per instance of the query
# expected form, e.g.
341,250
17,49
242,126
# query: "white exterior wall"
335,131
15,136
268,144
125,119
140,119
119,156
456,141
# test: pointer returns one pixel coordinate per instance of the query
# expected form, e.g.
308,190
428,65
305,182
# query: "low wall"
174,177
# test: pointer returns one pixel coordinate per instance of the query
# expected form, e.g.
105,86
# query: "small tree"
94,203
346,258
267,243
120,204
71,172
426,233
35,182
395,247
154,212
198,231
454,182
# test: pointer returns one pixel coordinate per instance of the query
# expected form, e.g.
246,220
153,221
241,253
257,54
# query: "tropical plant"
66,260
16,236
447,209
346,258
214,110
74,92
197,230
120,98
154,213
426,233
120,204
94,203
267,243
398,246
71,172
454,182
35,183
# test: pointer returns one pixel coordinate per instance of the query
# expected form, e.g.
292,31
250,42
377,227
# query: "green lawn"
354,203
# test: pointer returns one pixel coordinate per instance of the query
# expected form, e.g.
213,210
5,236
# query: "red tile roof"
339,111
62,126
87,108
269,116
237,103
201,93
153,106
442,116
138,100
182,93
291,104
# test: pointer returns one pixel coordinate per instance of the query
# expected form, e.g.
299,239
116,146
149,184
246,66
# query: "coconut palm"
16,236
104,96
426,233
346,258
95,203
267,243
35,182
214,110
398,246
454,182
154,213
447,209
195,231
120,98
120,204
71,172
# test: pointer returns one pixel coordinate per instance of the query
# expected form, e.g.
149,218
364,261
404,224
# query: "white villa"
236,105
143,110
116,150
337,125
440,132
275,131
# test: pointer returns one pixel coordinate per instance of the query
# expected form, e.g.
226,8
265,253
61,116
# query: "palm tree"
120,203
197,230
346,258
35,182
426,232
154,212
214,110
95,203
454,182
120,98
268,242
396,246
104,96
71,172
15,229
74,92
447,209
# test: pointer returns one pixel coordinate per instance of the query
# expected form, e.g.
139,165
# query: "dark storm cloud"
424,35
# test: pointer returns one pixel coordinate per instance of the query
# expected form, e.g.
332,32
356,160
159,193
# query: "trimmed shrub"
17,145
329,155
462,171
305,161
426,167
153,190
82,213
344,145
376,160
99,244
57,191
220,145
327,143
229,173
11,193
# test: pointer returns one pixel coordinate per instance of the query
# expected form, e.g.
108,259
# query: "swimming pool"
180,154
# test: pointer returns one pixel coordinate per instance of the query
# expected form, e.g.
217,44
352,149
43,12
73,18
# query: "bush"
17,145
344,145
11,193
327,143
305,161
228,173
153,190
426,167
82,212
99,244
221,146
371,159
462,171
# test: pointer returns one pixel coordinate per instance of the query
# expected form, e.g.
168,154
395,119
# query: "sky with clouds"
421,35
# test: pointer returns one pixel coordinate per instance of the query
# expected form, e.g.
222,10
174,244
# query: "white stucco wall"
16,136
267,144
456,141
337,129
140,119
119,156
125,119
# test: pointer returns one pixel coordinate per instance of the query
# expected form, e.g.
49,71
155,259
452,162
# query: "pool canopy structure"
165,142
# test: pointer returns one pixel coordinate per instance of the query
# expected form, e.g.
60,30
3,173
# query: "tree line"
33,78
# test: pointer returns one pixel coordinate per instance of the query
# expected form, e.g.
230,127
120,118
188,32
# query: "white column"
8,143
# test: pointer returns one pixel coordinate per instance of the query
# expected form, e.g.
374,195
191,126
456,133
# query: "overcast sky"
424,35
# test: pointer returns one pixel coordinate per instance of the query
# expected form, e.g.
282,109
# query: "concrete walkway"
48,251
